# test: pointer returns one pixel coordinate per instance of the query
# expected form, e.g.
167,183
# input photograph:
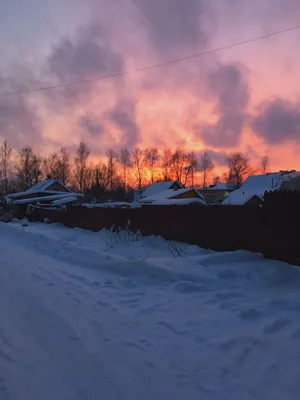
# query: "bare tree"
50,165
89,176
179,159
28,168
224,178
206,166
125,161
101,176
151,158
37,169
138,164
191,167
81,166
64,166
57,165
217,179
264,165
239,168
166,163
5,158
112,157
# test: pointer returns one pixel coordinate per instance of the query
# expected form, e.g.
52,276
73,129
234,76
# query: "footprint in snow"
6,357
228,295
149,364
145,342
130,301
276,326
189,287
49,284
105,339
74,338
228,344
250,313
296,334
3,338
133,345
3,389
228,274
171,328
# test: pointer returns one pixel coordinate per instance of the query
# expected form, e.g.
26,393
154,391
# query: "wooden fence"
273,230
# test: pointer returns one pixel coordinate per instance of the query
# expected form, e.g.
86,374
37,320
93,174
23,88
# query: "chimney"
137,196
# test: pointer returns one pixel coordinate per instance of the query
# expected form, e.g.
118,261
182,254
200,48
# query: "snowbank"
115,316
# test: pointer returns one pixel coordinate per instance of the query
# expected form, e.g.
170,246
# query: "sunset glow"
243,99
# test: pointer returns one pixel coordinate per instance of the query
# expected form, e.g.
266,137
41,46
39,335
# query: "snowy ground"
84,318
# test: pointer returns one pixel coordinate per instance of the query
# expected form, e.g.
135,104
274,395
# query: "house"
158,187
48,191
217,193
180,196
253,189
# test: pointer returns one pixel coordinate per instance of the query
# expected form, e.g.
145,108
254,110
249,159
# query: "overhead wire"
153,66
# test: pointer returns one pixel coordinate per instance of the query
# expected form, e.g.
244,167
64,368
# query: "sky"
241,99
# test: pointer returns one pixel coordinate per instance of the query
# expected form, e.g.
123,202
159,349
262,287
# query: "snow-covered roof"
290,176
44,185
254,185
169,194
220,186
60,196
158,187
40,187
14,195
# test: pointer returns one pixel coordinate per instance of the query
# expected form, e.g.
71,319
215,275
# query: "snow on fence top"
178,202
112,204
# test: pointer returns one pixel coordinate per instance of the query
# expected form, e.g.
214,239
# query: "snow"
40,187
178,202
220,186
58,197
64,200
254,185
112,204
44,185
14,195
115,316
158,187
291,175
169,194
61,196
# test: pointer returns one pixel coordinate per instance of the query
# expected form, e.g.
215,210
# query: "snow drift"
87,317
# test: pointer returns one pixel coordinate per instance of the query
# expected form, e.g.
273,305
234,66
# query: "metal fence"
273,229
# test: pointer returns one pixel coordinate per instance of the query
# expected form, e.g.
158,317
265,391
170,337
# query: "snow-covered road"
82,317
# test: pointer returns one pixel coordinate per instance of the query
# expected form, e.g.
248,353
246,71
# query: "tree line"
120,171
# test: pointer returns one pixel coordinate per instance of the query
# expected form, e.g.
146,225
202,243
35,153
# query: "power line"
149,67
